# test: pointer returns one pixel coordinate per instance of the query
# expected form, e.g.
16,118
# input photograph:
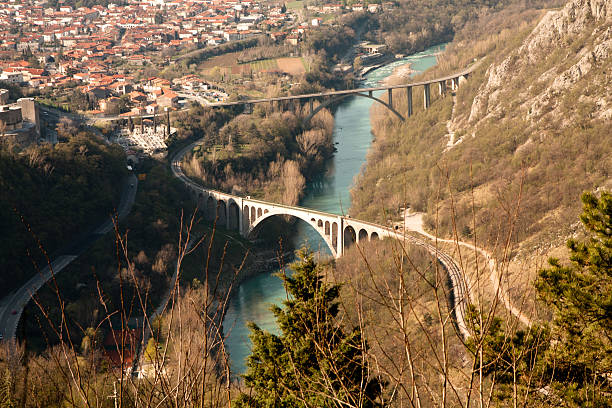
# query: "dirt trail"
414,222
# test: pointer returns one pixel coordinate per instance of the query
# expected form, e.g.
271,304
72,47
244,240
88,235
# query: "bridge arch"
340,97
363,235
233,214
349,236
246,215
210,210
221,213
331,243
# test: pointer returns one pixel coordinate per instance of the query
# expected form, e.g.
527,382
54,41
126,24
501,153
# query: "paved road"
11,307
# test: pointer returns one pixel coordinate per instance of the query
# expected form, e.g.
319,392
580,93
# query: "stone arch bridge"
246,215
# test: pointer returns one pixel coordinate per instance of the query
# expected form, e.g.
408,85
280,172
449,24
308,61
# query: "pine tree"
314,362
580,294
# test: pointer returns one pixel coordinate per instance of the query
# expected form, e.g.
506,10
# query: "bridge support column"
227,215
390,93
442,87
454,84
241,218
409,100
370,93
311,105
426,96
340,240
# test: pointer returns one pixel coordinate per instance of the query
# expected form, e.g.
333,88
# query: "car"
13,312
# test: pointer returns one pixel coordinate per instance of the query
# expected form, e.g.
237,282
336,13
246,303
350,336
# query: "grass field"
264,65
229,65
295,5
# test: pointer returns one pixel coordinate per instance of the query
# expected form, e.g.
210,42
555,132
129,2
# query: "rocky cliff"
569,51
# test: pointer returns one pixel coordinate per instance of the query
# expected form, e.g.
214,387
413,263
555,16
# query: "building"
30,113
10,118
20,121
110,105
4,96
169,99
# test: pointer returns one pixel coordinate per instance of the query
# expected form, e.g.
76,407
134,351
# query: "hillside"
504,161
52,195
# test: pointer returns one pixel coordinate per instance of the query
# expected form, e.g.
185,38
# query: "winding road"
12,305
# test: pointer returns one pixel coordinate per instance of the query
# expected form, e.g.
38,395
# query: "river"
352,135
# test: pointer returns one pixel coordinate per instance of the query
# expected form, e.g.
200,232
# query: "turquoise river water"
352,135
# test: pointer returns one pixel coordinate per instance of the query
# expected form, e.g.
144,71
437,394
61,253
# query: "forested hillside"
415,24
526,135
52,195
268,154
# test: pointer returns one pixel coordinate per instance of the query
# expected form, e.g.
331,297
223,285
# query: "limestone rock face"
582,30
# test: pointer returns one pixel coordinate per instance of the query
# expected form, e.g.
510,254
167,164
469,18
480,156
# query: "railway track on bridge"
320,220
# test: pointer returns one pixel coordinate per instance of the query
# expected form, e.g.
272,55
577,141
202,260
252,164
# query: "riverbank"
400,74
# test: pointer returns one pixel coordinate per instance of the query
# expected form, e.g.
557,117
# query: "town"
105,61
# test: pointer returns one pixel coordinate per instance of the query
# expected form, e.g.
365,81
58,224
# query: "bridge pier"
390,93
442,87
426,96
241,217
311,105
409,101
454,83
340,240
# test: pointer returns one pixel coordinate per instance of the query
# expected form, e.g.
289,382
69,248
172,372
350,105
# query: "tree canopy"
314,361
580,295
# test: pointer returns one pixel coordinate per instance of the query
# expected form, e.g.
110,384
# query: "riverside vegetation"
267,154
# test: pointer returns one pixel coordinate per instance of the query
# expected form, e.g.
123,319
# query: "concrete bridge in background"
325,99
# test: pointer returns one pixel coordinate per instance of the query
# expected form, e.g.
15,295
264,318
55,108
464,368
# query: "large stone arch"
350,237
297,214
221,213
340,97
246,216
233,213
363,235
